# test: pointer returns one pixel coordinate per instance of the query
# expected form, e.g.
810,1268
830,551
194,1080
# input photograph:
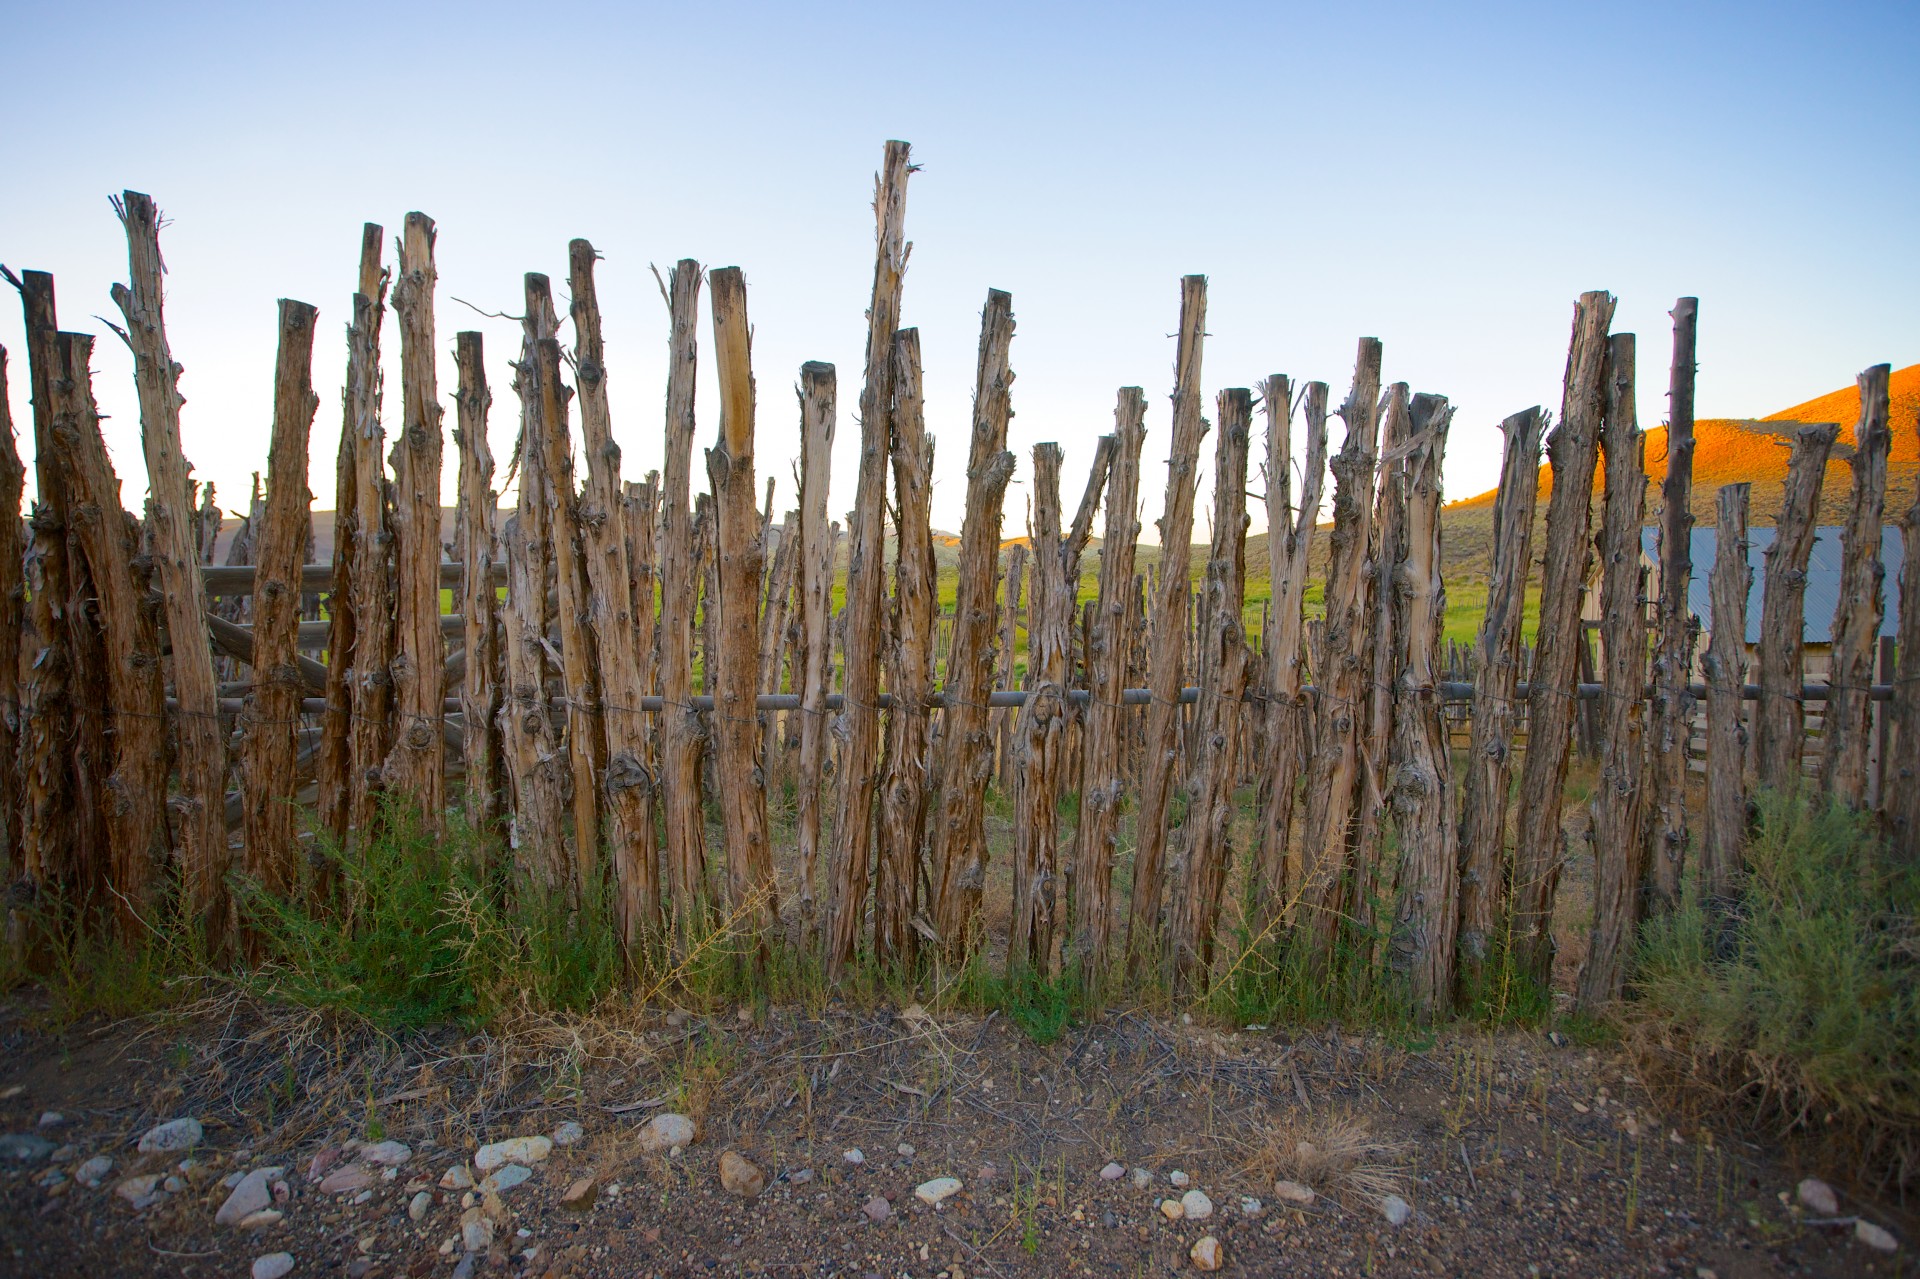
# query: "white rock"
142,1191
854,1156
91,1173
1198,1207
175,1134
514,1150
1180,1179
1294,1193
1112,1172
51,1119
262,1220
1142,1179
907,1150
173,1185
273,1266
1207,1254
1818,1196
252,1193
417,1207
1396,1210
388,1154
1251,1207
476,1231
668,1132
938,1191
505,1178
346,1180
1876,1237
458,1177
568,1133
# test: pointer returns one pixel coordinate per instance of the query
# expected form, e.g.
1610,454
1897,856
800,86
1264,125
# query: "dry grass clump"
1332,1153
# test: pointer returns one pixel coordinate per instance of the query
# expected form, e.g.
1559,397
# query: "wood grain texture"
478,551
1848,715
1670,714
1725,664
1779,723
817,393
1039,728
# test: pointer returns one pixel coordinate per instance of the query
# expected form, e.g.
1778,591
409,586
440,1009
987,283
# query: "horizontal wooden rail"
237,579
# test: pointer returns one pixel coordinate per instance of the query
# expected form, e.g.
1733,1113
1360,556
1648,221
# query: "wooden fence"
628,659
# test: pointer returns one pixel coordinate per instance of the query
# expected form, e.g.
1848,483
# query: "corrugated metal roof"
1823,577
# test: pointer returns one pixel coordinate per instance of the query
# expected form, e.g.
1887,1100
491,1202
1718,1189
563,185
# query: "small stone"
11,1091
667,1132
173,1185
799,1176
938,1191
1172,1209
514,1150
579,1196
986,1172
1294,1193
1198,1206
1179,1179
740,1175
263,1219
907,1150
365,1196
323,1160
1207,1254
91,1173
1396,1210
505,1178
418,1205
232,1179
1142,1179
458,1177
64,1154
388,1154
273,1266
252,1193
139,1191
568,1134
24,1147
1251,1207
1875,1237
878,1209
341,1181
678,1018
476,1231
175,1134
1112,1172
1818,1196
51,1119
854,1156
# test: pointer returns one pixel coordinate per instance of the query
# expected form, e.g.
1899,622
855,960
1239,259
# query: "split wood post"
13,600
1290,530
1900,795
371,593
1038,730
958,856
1012,592
775,611
858,728
1572,451
1619,802
609,612
270,722
479,602
198,810
1726,671
680,727
535,764
640,513
1498,660
1779,719
414,769
1670,715
206,531
1420,791
586,745
335,764
817,394
910,665
1080,631
734,664
1109,656
1856,617
1166,667
1222,677
1333,766
133,700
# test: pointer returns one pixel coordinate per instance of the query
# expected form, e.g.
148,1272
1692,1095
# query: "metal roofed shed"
1823,578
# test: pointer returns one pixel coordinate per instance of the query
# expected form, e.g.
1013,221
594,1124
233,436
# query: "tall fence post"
817,393
370,663
1780,722
13,600
1726,671
479,602
1848,715
1900,796
1670,716
1038,730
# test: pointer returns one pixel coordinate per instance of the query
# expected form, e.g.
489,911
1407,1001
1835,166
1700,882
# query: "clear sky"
1447,178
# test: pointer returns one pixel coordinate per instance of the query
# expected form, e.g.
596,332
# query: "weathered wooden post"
1222,677
371,660
1900,796
272,714
965,758
1779,721
910,664
1038,730
1080,633
1726,671
817,411
1109,656
13,601
1496,679
534,760
414,765
1572,451
1290,530
858,727
1166,665
479,602
1006,767
1670,716
1620,800
1420,789
1862,604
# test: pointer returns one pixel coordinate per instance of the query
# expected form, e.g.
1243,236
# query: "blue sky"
1445,178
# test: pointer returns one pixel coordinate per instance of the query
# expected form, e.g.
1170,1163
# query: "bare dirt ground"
1519,1154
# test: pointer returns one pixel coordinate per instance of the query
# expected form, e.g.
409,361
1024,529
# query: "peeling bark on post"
965,757
858,727
1420,793
371,660
13,599
1572,451
1856,618
479,603
414,765
1038,730
640,512
1496,680
1073,728
1901,793
817,412
1166,665
1011,593
1619,801
134,698
1670,716
1338,674
1779,722
910,665
1108,657
609,604
734,666
1726,672
272,715
1217,717
536,767
1290,531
